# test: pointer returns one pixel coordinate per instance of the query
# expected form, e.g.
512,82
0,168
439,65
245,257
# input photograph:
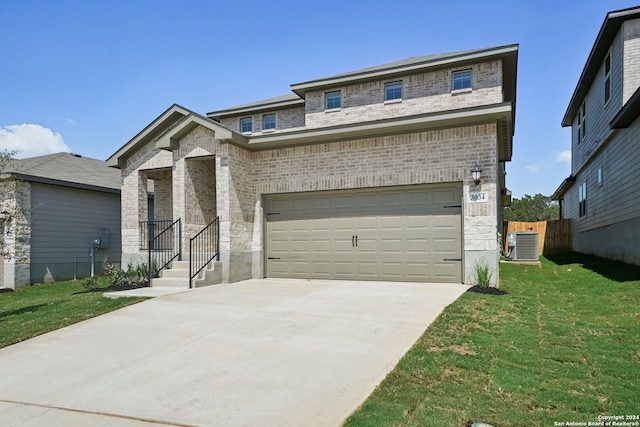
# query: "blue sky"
86,76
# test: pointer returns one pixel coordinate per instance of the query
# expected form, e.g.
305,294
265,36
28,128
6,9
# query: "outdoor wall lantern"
476,172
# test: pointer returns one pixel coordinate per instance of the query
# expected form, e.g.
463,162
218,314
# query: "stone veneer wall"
17,234
162,195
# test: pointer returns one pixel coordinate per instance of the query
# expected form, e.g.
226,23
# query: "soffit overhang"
501,114
628,114
280,103
563,188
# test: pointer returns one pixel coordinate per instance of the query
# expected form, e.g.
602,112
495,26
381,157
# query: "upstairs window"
392,91
582,200
333,100
246,125
582,121
462,80
268,121
607,78
600,177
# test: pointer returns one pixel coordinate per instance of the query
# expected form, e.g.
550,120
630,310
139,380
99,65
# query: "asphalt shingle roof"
67,169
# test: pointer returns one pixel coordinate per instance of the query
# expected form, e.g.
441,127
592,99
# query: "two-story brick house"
363,175
601,195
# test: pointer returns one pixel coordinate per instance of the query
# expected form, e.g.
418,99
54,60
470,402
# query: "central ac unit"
523,246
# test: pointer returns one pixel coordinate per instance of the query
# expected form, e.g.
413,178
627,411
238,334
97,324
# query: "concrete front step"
178,276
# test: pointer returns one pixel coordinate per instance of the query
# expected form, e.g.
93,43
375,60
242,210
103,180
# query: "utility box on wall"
102,240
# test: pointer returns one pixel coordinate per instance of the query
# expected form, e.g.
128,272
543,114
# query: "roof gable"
166,129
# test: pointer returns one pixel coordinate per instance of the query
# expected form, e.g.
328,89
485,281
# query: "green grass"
37,309
562,345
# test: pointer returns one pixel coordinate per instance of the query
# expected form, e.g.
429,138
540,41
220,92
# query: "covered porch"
176,210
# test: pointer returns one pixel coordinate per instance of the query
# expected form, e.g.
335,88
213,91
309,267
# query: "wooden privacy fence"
554,237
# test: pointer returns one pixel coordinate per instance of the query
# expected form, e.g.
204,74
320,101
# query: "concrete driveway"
270,352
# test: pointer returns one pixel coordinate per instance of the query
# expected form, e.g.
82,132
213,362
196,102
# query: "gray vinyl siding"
616,200
63,222
599,114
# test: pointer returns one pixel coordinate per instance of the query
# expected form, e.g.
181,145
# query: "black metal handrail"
150,229
164,248
203,248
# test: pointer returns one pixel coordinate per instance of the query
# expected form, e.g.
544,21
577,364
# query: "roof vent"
76,155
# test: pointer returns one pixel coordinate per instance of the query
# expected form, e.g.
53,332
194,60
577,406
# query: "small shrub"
90,283
133,276
483,273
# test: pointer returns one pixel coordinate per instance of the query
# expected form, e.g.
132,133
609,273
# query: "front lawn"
561,347
37,309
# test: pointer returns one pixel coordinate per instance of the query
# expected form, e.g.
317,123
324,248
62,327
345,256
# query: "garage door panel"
321,246
367,223
391,270
445,196
417,270
391,223
403,235
392,201
367,269
321,269
343,224
392,247
418,245
323,224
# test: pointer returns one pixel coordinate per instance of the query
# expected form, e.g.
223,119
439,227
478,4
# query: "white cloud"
31,140
533,168
563,156
72,122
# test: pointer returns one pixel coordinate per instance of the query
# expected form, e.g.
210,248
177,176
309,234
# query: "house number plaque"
478,197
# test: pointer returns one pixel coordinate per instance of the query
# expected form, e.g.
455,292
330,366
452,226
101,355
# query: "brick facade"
207,164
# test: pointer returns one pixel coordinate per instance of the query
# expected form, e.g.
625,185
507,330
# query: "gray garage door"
408,234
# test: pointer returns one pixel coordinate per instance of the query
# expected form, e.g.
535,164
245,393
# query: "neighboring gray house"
602,195
52,209
363,175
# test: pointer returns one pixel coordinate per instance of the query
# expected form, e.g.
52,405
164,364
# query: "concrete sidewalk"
270,352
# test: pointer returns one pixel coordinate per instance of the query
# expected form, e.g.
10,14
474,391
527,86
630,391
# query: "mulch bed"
112,288
489,290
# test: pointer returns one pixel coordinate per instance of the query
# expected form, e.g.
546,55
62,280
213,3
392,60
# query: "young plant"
90,283
483,273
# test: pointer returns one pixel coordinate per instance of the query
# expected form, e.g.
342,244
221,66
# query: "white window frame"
386,91
245,120
582,200
600,175
582,121
453,81
264,122
327,95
